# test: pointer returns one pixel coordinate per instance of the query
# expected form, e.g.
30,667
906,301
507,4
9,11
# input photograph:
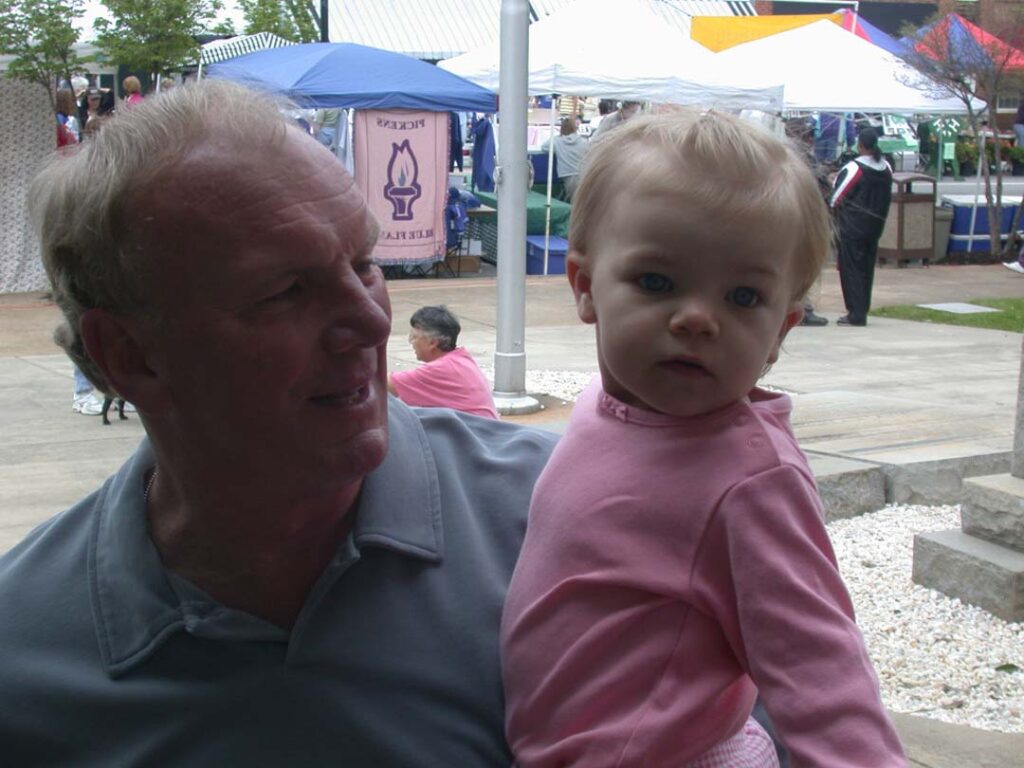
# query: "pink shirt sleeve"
773,583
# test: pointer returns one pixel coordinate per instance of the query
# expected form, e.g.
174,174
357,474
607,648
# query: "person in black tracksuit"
860,202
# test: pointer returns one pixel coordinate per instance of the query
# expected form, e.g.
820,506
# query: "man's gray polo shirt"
108,659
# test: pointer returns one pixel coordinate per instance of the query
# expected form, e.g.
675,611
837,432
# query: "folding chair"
456,218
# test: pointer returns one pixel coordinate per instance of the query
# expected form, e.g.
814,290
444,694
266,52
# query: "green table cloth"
535,204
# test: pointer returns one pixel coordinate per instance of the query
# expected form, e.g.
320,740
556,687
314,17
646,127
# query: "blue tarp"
881,39
350,75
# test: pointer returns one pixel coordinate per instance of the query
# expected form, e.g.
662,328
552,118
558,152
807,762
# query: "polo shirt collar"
137,604
400,504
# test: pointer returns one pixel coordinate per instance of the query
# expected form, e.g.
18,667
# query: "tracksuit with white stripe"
860,201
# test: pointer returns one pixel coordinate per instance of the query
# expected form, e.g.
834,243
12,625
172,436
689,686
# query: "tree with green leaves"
154,36
40,35
291,19
977,69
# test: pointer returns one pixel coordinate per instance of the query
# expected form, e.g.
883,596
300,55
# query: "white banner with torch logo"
401,164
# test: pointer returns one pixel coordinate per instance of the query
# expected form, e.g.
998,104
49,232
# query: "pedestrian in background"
67,113
860,201
570,149
1018,123
132,90
627,110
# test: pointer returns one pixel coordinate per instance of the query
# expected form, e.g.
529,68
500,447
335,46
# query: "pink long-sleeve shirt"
670,566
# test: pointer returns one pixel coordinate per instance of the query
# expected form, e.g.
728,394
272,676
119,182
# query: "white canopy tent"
825,68
623,50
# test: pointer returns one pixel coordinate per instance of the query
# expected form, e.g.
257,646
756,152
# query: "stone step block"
971,569
940,480
993,509
848,487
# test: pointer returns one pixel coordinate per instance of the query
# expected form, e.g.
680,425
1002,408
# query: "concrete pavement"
902,408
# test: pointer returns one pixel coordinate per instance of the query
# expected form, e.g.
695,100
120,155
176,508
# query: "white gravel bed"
563,385
567,385
934,655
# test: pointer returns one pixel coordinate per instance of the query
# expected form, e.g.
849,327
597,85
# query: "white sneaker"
88,404
1015,266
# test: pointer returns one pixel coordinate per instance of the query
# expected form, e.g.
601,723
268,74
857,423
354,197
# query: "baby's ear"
579,278
793,317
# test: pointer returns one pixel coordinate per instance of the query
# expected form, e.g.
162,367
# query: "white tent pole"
199,72
551,171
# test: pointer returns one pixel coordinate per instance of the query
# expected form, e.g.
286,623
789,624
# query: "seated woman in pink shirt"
449,376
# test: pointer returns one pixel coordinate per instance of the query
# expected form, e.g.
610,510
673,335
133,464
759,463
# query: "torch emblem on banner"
403,188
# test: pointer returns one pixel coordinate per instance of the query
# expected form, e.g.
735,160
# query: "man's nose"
360,315
696,316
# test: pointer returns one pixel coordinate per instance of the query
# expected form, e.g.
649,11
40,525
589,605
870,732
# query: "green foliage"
39,34
1009,318
289,19
224,27
966,151
154,36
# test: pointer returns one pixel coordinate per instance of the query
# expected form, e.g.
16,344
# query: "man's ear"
113,344
793,317
579,278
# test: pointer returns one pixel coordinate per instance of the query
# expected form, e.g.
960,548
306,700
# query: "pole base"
509,404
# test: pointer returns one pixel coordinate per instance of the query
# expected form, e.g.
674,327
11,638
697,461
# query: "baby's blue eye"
652,282
744,297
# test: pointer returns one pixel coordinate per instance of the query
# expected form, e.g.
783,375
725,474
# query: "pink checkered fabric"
752,747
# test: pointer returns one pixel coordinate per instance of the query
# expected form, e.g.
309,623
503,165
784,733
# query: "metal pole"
511,174
325,35
551,170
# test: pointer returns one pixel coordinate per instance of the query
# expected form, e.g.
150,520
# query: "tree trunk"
993,201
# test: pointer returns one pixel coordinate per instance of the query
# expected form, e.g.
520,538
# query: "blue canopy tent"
355,76
863,28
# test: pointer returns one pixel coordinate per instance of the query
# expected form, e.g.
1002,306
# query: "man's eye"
654,283
289,292
744,297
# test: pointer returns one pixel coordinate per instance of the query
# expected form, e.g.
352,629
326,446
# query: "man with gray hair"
293,568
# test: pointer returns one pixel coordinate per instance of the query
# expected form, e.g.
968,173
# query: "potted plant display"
1016,158
967,157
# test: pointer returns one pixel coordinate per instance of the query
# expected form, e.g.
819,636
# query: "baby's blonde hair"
723,164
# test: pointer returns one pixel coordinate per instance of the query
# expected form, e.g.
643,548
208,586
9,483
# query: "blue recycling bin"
960,230
558,247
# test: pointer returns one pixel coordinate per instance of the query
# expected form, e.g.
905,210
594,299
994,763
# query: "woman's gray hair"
81,202
439,322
